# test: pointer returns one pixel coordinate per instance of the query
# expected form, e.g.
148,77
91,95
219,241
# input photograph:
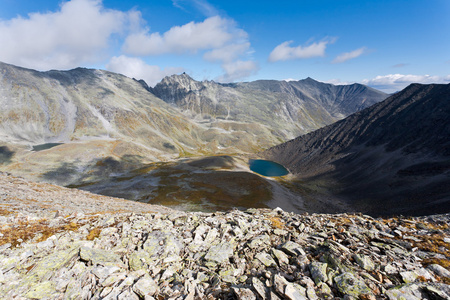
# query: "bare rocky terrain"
57,243
47,200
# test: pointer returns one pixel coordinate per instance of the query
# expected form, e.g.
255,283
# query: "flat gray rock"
219,253
145,286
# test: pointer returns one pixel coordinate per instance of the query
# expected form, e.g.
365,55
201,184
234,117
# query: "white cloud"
338,82
201,5
394,82
286,52
137,68
237,70
78,33
219,38
227,53
229,57
85,33
349,55
212,33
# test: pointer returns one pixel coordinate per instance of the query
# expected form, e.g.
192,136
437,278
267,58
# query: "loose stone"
228,255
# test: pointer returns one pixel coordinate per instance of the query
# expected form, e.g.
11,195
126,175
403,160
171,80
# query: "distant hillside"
287,108
391,158
63,106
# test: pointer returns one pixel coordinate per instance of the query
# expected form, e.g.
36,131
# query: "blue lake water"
267,168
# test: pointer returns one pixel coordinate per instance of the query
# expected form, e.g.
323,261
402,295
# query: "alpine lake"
267,168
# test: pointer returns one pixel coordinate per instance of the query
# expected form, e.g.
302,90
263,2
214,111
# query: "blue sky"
384,44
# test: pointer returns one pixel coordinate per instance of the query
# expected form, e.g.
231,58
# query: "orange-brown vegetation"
277,222
27,230
94,233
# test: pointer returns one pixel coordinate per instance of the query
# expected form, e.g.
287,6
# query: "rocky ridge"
396,149
298,106
253,254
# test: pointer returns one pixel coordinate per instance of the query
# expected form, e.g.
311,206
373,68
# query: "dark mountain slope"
393,157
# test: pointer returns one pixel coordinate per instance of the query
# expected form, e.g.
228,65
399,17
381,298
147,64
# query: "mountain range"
186,143
88,118
287,108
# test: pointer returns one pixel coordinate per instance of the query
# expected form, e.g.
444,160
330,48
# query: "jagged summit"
183,77
177,86
309,79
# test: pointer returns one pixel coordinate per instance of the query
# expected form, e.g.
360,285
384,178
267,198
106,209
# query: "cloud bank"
136,68
349,55
214,32
79,33
285,52
219,38
84,32
395,82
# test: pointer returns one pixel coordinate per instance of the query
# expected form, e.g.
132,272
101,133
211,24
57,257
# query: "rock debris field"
255,254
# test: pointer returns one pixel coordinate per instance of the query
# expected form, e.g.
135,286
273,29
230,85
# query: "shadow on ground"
76,173
6,155
205,184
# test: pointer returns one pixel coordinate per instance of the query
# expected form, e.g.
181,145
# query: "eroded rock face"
299,106
253,254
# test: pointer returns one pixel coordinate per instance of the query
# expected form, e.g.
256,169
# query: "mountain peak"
183,77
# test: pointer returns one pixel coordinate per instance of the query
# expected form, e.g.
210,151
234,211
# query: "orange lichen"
439,261
93,234
72,226
277,222
5,212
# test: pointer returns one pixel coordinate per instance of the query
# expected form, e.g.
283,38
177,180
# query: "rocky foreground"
253,254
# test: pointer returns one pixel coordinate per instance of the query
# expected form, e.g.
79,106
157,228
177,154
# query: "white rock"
128,295
439,270
259,287
145,286
48,243
293,293
244,294
102,272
